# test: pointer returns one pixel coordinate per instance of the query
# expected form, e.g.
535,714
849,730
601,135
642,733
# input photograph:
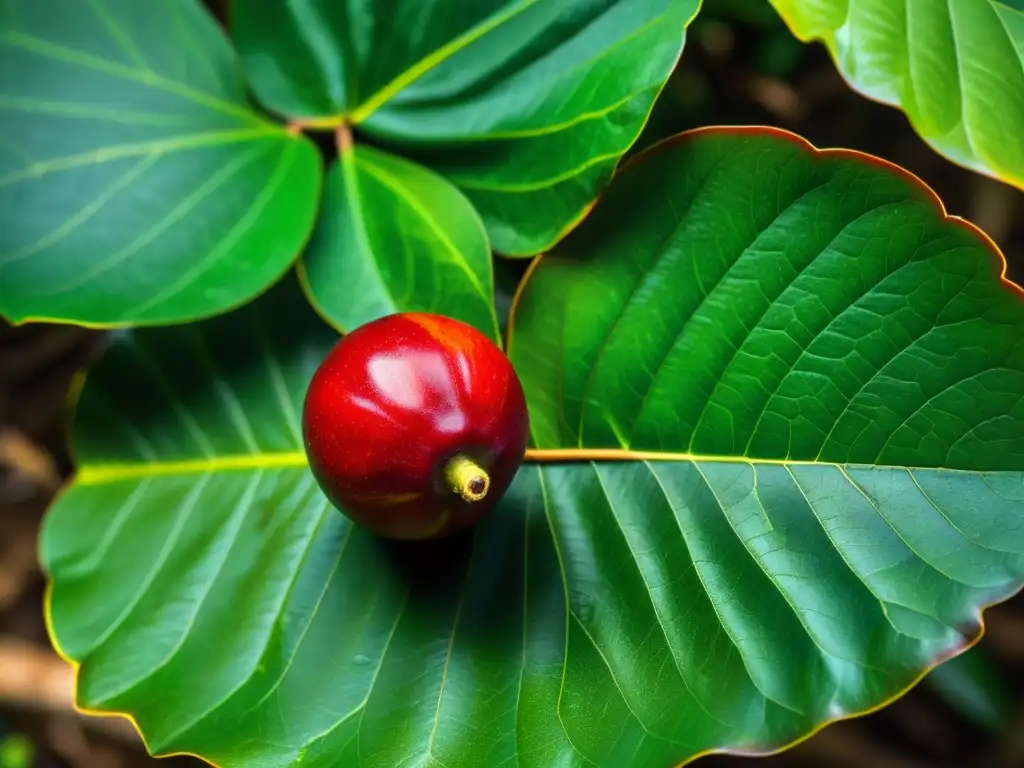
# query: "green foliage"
394,236
525,105
831,472
143,188
776,304
137,185
957,69
775,393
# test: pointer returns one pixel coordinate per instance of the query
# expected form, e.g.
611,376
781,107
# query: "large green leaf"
526,105
955,68
744,579
395,237
136,183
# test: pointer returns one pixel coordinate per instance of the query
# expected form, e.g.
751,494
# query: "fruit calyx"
466,478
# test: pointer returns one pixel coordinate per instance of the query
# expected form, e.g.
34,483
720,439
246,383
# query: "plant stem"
467,478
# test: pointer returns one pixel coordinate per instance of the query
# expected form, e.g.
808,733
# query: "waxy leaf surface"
395,237
137,185
955,68
808,386
525,105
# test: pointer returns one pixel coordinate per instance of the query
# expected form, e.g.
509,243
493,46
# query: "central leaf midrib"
104,473
101,474
434,58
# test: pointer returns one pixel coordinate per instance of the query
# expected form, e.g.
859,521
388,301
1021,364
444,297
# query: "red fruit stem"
467,478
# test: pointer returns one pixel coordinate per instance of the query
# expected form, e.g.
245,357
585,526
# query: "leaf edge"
829,44
541,455
784,134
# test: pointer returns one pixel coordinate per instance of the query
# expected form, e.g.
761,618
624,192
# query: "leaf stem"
297,126
467,478
343,138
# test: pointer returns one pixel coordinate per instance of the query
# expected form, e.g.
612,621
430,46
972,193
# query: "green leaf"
733,581
138,187
395,237
831,373
955,68
525,105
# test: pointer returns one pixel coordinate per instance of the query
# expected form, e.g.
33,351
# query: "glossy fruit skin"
392,403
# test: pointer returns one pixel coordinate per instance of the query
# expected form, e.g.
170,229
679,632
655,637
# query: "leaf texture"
138,186
713,585
526,106
955,68
395,237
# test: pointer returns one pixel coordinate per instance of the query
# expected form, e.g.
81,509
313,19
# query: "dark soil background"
741,66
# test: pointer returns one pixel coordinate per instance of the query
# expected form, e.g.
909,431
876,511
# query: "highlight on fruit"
415,425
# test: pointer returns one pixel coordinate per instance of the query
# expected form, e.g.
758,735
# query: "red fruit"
415,425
